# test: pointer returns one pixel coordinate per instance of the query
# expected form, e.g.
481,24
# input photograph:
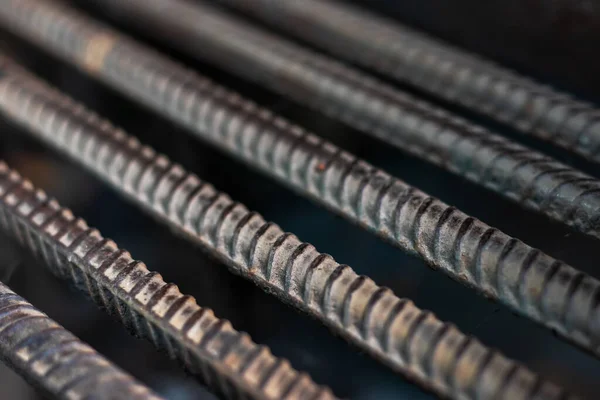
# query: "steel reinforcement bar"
55,361
225,360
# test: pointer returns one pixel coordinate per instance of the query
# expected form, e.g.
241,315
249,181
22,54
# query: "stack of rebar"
315,72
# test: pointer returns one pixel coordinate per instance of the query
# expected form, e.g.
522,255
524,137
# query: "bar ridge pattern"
470,251
393,330
225,360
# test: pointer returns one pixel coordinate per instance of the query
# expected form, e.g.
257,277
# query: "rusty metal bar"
352,33
55,361
501,267
225,360
527,177
393,330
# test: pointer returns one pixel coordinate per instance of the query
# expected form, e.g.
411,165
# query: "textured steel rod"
55,361
224,359
446,71
501,267
395,331
523,175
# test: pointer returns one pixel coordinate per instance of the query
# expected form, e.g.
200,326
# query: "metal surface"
395,331
225,360
443,70
57,362
499,266
523,175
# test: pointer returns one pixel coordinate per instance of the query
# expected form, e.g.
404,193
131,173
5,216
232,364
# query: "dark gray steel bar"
395,331
501,267
428,64
523,175
55,361
224,359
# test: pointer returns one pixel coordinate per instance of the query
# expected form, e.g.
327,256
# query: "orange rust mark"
97,49
321,167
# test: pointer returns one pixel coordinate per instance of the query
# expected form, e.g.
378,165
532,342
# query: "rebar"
499,266
426,63
393,330
55,361
529,178
225,360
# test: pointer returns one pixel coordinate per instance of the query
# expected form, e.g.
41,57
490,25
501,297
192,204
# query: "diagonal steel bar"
225,360
55,361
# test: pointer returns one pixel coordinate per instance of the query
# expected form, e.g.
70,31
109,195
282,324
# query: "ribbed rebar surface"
394,330
57,362
224,359
523,175
438,68
470,251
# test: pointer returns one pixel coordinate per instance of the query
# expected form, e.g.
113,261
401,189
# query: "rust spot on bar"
97,49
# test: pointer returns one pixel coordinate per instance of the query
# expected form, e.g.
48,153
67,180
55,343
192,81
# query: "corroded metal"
501,267
225,360
531,179
57,362
394,330
446,71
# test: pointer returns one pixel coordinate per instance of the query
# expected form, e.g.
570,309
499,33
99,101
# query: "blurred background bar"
555,41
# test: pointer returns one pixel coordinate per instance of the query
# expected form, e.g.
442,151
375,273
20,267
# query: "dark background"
551,40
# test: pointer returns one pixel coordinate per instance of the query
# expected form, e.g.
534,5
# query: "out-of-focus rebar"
470,251
55,361
446,71
394,330
523,175
224,359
